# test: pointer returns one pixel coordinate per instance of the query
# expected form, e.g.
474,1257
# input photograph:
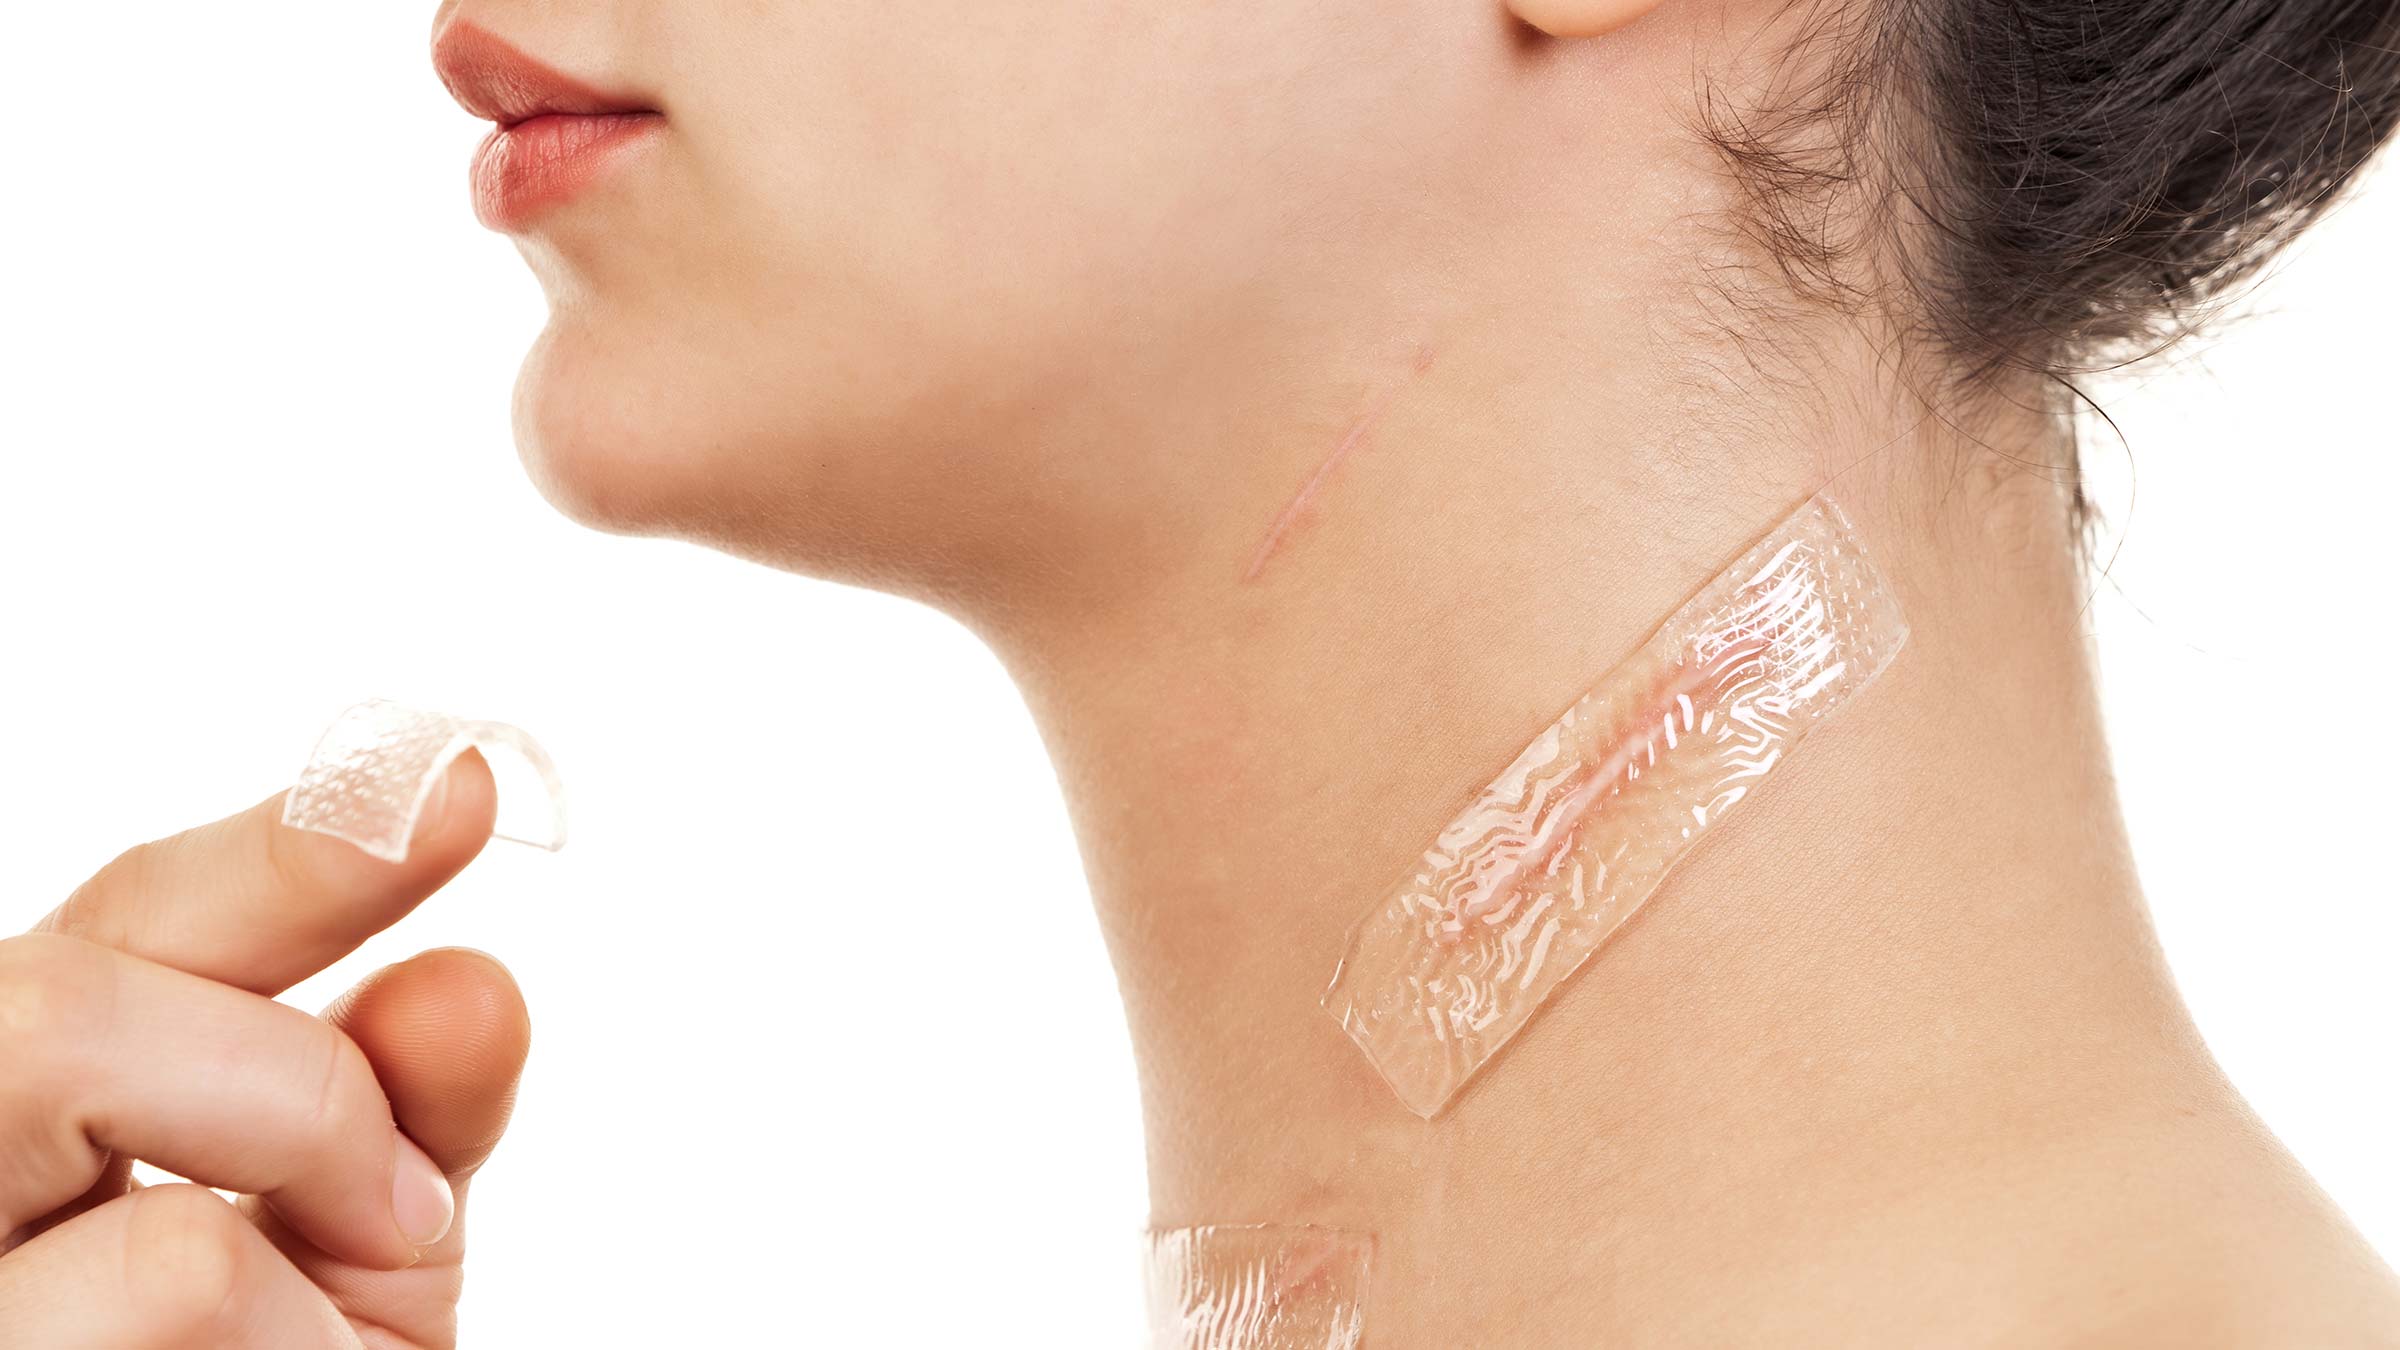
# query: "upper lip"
496,82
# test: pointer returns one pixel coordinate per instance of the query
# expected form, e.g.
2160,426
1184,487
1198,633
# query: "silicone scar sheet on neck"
1257,1287
1520,889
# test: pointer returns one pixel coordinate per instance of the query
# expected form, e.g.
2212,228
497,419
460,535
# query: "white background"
254,464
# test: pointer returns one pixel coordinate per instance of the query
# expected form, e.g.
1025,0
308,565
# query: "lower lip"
522,170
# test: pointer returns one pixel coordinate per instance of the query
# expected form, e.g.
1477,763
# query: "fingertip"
465,997
448,1033
477,984
467,957
261,899
455,820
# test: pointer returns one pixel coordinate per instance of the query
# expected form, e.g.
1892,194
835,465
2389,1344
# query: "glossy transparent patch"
369,776
1257,1288
1531,878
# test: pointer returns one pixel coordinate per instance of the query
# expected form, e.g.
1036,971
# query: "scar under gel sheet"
1257,1287
1524,885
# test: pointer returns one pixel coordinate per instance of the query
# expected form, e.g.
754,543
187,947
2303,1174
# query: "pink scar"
1297,511
1668,714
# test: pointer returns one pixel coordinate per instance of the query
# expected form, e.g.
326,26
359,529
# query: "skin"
1045,315
138,1021
1050,316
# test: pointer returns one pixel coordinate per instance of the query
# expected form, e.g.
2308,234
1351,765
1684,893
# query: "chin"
591,442
623,442
710,447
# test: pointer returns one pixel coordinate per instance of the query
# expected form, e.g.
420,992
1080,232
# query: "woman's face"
914,288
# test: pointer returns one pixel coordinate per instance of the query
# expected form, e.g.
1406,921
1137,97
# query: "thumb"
447,1032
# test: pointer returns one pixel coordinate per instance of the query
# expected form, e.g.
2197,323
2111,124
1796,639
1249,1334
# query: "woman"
1309,404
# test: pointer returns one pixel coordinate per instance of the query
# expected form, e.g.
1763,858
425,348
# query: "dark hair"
2055,185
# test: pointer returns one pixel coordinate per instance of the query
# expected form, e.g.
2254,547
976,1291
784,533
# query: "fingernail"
422,1204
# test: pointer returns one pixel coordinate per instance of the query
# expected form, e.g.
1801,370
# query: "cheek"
1004,187
882,268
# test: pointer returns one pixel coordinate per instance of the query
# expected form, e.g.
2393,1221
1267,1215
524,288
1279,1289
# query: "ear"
1580,18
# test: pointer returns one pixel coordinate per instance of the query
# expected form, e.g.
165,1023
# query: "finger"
447,1033
252,902
167,1268
115,1179
102,1052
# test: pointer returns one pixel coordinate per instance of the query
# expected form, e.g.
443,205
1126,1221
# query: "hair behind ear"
2043,186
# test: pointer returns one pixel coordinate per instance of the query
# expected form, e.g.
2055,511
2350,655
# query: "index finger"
252,902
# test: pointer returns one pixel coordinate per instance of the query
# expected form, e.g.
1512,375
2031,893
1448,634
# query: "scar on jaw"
1358,434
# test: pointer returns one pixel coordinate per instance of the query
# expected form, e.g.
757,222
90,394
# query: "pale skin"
1894,1061
138,1021
1049,315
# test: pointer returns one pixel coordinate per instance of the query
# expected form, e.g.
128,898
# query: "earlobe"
1579,18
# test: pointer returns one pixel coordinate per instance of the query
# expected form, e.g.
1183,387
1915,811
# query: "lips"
553,134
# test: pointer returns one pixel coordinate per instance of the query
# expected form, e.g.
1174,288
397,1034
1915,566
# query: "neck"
1911,969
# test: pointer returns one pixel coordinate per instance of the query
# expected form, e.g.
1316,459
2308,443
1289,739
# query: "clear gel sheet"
1257,1288
372,769
1566,843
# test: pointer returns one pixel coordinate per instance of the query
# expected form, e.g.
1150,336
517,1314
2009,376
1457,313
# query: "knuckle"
346,1098
54,991
185,1258
96,911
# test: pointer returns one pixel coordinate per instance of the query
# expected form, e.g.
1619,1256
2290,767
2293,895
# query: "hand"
138,1021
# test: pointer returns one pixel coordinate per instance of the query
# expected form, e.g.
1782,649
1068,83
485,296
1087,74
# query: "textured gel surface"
1526,883
372,769
1257,1288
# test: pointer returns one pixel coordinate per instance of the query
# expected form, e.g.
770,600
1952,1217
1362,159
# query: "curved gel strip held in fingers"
373,768
1526,883
1257,1288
